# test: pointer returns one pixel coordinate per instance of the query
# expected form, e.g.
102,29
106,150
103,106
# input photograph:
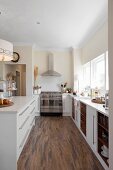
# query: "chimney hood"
50,71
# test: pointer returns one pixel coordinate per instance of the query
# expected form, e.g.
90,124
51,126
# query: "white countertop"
98,107
19,103
87,101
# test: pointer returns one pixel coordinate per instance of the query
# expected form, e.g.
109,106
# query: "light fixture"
38,23
6,50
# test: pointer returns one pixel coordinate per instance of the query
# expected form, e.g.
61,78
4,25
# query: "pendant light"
6,50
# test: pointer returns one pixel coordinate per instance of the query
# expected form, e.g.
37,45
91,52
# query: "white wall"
76,68
25,53
97,45
13,68
62,64
1,70
110,49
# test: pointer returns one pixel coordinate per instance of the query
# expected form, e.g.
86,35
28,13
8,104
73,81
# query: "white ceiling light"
6,50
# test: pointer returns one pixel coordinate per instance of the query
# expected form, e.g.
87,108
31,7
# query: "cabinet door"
91,127
73,109
83,117
64,104
67,104
37,98
77,113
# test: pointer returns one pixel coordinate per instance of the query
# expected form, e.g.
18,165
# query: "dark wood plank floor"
56,144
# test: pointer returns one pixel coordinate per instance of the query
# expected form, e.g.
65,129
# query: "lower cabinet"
91,127
76,111
103,137
25,121
67,104
15,127
83,117
73,109
37,98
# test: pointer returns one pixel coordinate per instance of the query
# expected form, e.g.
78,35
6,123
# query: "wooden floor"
56,144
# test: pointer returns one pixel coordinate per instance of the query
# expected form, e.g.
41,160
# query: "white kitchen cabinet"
16,123
91,127
67,104
77,112
37,98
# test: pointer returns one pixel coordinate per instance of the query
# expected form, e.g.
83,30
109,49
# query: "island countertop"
19,103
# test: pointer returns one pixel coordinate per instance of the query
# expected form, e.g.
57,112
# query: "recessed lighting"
38,23
0,13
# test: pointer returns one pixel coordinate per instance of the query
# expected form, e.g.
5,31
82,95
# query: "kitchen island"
16,122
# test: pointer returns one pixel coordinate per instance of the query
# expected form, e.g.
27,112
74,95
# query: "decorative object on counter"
35,74
5,103
63,87
6,50
107,101
75,93
68,90
37,89
16,57
98,100
95,93
2,86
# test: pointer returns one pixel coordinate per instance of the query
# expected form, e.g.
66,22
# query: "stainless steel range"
51,103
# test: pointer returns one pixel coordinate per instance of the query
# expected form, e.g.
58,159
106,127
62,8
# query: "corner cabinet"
91,127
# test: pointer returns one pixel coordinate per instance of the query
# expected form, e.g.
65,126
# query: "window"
95,74
86,75
98,72
107,74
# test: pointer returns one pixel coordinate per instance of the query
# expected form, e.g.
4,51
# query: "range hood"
50,71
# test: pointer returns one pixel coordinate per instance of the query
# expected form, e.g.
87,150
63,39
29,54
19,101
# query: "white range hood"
51,71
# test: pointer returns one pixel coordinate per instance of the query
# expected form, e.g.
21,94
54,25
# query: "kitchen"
72,63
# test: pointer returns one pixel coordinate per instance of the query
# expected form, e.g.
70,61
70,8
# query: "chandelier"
6,50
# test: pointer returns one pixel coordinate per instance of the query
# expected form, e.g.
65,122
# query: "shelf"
105,159
103,142
103,127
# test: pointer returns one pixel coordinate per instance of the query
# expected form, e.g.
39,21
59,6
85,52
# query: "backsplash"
50,83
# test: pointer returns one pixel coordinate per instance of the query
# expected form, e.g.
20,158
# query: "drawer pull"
24,139
23,111
24,123
32,102
32,122
32,110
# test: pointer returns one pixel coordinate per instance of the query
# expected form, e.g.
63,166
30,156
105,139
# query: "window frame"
92,65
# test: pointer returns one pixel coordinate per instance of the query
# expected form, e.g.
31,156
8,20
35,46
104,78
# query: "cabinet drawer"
22,116
32,115
22,133
33,104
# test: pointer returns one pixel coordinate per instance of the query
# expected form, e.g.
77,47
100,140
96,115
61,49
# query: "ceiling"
63,23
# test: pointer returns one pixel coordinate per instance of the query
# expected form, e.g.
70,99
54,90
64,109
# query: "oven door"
51,105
